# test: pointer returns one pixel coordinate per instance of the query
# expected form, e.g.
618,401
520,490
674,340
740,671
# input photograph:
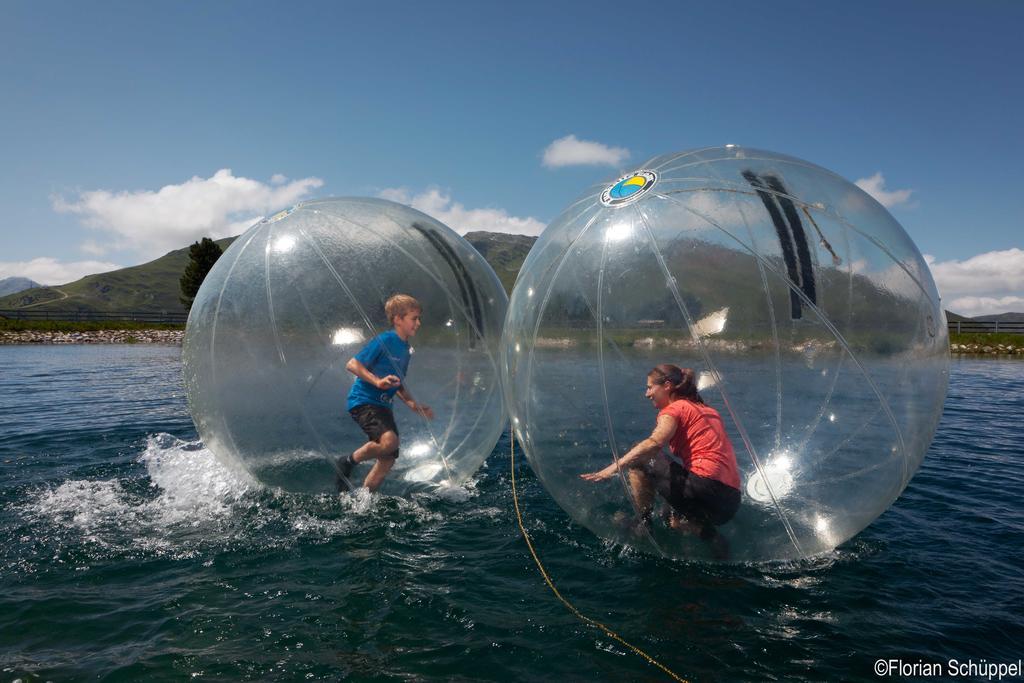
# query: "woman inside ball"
700,478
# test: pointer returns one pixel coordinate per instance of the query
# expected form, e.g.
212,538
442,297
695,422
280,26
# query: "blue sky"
451,106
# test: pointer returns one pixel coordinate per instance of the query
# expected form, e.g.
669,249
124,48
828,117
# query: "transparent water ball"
808,313
295,297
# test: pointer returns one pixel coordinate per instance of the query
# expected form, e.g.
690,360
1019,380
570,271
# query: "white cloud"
971,306
435,203
875,186
50,271
152,223
571,151
92,248
992,282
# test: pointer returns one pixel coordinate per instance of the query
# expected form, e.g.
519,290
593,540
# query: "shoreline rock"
168,337
987,349
174,338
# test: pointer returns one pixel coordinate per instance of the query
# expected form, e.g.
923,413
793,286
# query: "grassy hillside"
148,288
505,253
954,317
714,278
153,287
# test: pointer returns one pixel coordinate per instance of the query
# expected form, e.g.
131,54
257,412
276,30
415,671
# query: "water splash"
187,502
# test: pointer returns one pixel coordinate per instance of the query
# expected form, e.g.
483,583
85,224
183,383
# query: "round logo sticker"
629,188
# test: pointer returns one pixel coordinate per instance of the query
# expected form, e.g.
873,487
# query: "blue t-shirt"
386,354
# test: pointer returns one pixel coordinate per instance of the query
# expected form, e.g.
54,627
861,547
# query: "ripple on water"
135,558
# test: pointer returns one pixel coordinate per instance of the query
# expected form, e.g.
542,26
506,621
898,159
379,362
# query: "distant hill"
148,288
504,252
11,285
1000,317
955,317
153,287
995,317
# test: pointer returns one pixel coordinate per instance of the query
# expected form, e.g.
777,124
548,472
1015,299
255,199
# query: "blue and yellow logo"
629,188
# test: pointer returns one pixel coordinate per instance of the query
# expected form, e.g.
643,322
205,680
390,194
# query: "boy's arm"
360,371
404,394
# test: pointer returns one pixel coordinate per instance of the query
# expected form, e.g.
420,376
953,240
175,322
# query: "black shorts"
375,421
703,500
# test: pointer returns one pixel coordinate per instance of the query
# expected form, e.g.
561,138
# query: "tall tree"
202,256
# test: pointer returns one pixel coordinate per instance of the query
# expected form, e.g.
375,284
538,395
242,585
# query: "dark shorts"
375,421
703,500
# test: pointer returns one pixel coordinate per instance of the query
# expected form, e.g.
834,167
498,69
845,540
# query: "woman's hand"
662,434
601,475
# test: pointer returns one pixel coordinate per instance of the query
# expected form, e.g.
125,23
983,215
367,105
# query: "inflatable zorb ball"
295,297
810,316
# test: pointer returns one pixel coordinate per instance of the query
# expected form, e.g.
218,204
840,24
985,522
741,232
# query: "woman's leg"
710,503
641,483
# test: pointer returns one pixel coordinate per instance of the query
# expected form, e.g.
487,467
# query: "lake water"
127,552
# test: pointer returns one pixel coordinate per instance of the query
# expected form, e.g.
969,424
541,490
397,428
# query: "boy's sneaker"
345,466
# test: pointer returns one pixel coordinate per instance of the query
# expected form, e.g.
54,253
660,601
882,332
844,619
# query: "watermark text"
951,668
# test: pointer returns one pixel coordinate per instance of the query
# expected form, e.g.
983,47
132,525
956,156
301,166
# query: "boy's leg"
381,433
386,454
382,440
368,451
378,472
372,450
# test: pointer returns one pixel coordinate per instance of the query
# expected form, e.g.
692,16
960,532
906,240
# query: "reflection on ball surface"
297,296
804,306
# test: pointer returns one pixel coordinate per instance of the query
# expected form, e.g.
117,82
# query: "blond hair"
400,304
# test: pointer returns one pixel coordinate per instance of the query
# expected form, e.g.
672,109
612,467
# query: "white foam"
194,488
194,485
359,501
195,503
310,525
91,507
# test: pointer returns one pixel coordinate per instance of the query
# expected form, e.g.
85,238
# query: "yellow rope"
547,579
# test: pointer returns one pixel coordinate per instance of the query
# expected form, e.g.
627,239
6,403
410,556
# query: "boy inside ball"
380,370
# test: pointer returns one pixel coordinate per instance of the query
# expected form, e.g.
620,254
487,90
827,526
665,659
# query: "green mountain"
153,287
504,252
148,288
955,317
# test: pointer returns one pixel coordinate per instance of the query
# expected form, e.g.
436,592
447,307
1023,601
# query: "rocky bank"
93,337
988,349
175,337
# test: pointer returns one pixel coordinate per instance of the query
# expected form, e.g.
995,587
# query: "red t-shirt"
701,443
